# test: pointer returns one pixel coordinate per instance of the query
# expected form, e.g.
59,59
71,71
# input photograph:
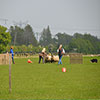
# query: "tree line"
24,40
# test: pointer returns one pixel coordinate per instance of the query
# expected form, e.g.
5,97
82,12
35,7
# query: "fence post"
10,73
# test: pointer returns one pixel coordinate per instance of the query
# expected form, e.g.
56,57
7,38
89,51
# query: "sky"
69,16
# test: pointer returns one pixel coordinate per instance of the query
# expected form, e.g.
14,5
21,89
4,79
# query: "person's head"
60,46
11,47
44,49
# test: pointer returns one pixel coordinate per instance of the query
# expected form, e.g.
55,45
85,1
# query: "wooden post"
10,73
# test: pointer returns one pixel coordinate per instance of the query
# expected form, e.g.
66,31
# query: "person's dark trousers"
13,60
40,57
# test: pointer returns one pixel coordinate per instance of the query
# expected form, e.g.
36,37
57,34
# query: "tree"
17,34
12,33
78,35
29,37
5,38
64,38
46,37
94,41
81,45
22,36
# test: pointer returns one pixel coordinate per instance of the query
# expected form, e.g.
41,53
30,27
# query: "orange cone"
63,69
29,61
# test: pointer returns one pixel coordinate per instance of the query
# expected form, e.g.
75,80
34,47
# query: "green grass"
47,81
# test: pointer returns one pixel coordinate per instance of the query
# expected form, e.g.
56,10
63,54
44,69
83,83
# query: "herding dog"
94,60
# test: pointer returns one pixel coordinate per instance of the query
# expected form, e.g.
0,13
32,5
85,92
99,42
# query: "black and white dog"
94,60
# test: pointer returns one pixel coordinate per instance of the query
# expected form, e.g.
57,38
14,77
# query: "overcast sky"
67,16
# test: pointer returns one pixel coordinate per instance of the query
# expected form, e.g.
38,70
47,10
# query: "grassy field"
47,81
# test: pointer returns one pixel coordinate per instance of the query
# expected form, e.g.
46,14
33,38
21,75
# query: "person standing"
42,55
60,53
11,51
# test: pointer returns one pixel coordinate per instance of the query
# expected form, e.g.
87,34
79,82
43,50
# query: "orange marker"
63,69
29,61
